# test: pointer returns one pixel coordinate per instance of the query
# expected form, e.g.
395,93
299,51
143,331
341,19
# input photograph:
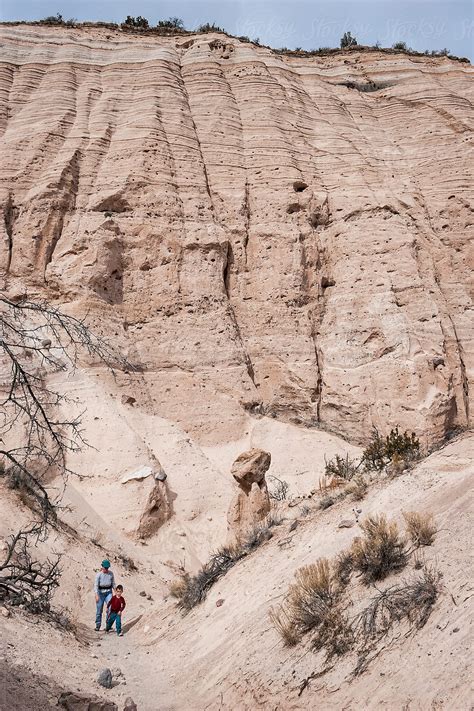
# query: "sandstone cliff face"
260,236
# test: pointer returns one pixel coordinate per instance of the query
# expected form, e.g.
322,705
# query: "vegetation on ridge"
175,25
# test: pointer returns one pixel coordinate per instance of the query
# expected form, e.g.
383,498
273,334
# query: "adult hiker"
103,586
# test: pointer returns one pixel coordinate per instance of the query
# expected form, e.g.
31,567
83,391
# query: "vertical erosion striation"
268,235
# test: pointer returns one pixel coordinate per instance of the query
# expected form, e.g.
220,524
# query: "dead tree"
36,341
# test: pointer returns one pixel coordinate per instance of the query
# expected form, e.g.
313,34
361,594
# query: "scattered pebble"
142,593
219,602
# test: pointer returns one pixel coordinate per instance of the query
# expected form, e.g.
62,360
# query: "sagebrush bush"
421,528
343,566
380,550
312,593
312,605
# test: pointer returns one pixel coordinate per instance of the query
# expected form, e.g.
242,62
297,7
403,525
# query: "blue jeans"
104,598
114,617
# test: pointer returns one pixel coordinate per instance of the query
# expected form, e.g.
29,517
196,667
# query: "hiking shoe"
97,629
120,634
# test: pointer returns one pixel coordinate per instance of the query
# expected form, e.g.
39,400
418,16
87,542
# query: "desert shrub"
405,446
208,27
358,488
313,605
400,45
347,40
279,491
421,528
326,502
284,626
343,566
380,551
179,586
137,22
53,20
341,467
334,634
172,23
309,597
381,450
411,601
191,590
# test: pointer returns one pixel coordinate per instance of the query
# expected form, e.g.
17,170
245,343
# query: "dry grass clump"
310,596
191,590
380,551
342,568
179,586
411,601
421,528
334,634
326,502
358,488
284,626
313,604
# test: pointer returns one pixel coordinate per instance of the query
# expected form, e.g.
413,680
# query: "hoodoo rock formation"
251,502
260,232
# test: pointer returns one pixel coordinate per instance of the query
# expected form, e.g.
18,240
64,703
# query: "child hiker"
115,607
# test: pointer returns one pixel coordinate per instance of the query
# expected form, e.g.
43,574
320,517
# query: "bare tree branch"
36,341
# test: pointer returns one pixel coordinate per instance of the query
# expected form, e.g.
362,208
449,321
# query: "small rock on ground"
105,678
346,523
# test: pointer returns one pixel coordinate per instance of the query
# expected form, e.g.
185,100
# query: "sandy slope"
230,657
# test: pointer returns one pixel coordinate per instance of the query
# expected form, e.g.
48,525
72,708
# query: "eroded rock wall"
260,236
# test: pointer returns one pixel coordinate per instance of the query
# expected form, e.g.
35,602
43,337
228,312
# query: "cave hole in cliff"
299,186
326,282
366,87
113,203
293,207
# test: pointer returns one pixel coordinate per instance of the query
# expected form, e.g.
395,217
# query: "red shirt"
116,604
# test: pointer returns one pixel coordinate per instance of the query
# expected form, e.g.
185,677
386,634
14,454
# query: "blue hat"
105,563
